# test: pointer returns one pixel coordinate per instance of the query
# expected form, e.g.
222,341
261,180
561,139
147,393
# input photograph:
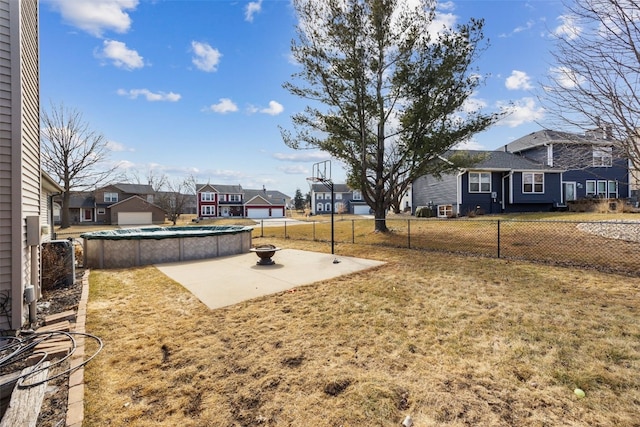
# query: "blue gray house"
346,200
595,165
499,182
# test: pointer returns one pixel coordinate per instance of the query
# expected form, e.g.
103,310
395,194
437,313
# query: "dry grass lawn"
451,341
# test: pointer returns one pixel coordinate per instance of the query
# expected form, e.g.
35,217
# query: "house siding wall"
618,172
439,191
7,155
552,191
19,151
484,202
136,204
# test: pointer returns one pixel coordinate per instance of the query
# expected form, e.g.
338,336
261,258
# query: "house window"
327,207
207,210
338,196
110,197
101,211
602,188
206,197
479,182
357,195
533,182
320,206
445,211
590,188
613,189
340,208
602,157
235,198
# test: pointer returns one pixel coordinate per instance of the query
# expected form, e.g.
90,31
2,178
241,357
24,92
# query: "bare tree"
73,153
387,95
595,83
174,196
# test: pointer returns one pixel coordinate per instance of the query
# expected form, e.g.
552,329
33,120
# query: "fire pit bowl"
265,252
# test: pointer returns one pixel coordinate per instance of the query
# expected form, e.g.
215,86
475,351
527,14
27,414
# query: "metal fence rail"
612,246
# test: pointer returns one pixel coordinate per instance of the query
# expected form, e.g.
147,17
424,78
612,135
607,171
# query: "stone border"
75,398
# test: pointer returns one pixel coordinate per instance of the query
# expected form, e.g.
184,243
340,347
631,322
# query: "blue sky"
186,87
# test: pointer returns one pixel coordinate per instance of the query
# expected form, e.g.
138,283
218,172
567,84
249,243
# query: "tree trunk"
64,212
380,218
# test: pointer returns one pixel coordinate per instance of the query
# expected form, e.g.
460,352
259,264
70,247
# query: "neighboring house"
82,207
265,204
48,190
346,200
20,180
595,165
116,204
112,205
499,182
190,205
216,200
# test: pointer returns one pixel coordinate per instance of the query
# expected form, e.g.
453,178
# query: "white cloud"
518,80
469,145
446,5
565,77
294,170
117,147
150,96
125,164
225,105
120,55
206,57
97,16
251,9
274,108
471,105
568,27
302,156
519,29
522,111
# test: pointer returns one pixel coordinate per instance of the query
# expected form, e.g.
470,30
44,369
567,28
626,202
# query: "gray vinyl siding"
20,149
435,190
6,157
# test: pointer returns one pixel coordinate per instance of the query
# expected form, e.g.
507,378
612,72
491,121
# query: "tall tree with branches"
595,81
72,153
388,92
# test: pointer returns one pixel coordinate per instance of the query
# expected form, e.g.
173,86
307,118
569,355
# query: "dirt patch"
57,300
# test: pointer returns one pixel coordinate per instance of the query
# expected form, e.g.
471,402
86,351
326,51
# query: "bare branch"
73,153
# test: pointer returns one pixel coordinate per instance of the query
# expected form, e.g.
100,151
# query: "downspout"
35,283
459,190
52,233
504,192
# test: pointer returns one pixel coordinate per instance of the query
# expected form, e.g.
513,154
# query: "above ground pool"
130,247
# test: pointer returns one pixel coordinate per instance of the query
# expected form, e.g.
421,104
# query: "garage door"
361,210
258,213
134,218
277,213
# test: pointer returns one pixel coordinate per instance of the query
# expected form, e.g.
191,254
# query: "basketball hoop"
322,174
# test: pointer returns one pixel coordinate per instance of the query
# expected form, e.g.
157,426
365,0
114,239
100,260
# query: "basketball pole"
333,208
322,177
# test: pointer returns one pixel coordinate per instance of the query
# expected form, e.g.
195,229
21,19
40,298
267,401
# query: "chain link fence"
610,246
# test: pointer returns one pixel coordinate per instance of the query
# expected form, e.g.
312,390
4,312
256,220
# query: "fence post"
409,233
314,230
262,228
498,238
285,229
353,232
